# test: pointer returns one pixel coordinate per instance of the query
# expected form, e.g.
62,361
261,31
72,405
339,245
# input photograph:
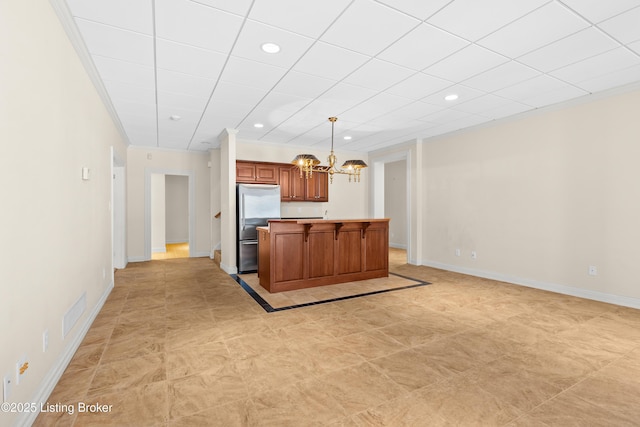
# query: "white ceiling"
382,67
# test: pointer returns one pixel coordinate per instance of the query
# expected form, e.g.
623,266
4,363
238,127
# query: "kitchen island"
304,253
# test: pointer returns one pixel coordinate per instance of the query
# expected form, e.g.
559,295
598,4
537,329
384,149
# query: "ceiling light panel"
187,59
577,47
112,42
307,18
472,19
464,94
195,24
125,14
412,52
369,36
255,34
524,35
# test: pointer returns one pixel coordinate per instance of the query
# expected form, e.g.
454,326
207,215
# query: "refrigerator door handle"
249,243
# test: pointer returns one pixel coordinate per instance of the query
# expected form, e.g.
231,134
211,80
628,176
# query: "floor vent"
73,315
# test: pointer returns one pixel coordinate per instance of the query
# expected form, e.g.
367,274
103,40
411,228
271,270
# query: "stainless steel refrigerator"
256,204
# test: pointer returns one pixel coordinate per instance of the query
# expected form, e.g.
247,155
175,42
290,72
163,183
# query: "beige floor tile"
408,368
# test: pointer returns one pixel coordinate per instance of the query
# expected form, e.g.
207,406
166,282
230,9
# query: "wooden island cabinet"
296,254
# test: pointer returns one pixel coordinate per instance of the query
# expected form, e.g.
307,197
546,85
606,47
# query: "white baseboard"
199,254
173,241
137,259
159,250
530,283
55,373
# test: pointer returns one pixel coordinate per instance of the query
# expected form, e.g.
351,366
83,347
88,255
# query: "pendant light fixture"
308,163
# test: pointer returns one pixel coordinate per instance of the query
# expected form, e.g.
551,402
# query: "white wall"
395,202
177,208
541,199
166,162
55,228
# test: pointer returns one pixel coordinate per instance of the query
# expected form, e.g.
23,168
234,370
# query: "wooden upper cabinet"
266,173
245,172
256,173
293,186
317,187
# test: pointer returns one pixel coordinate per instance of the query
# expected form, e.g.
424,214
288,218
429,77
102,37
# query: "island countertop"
303,253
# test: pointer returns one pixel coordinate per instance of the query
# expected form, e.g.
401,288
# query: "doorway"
169,193
118,212
169,216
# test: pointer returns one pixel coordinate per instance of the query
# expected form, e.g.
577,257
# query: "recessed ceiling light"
258,125
175,117
347,137
451,97
270,47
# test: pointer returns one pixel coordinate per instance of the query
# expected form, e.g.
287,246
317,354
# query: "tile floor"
179,343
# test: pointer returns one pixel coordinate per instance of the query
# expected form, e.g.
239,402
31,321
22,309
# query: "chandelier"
308,163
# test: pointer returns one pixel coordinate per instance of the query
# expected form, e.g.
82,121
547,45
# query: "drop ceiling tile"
539,28
135,16
188,59
378,75
369,36
303,85
142,139
187,22
482,104
502,76
423,46
561,94
464,94
615,79
128,92
418,8
472,19
254,34
445,116
268,117
375,107
608,62
180,101
283,102
308,18
228,108
413,111
598,10
342,63
509,109
577,47
624,27
169,81
112,42
239,7
466,63
345,96
239,94
524,90
125,72
635,47
418,86
244,71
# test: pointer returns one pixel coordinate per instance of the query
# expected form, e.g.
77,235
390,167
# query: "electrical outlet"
474,255
457,252
593,270
6,387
